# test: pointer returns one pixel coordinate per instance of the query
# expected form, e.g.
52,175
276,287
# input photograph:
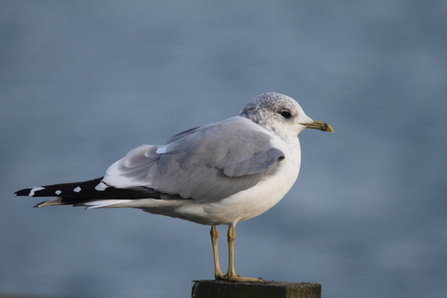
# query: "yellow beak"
319,125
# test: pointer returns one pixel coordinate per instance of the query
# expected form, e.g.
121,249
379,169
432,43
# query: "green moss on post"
268,289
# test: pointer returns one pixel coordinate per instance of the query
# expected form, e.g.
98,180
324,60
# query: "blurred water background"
83,82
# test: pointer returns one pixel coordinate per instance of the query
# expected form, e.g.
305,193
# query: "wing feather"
206,164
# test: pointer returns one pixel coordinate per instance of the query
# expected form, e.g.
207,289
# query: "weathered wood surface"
267,289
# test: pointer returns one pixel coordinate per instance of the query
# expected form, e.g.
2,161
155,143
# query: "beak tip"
328,128
319,125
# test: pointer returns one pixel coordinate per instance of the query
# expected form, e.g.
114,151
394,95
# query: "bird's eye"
286,114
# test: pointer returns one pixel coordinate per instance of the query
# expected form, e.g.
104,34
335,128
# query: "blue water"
83,82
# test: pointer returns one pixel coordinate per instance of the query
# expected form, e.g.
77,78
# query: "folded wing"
206,164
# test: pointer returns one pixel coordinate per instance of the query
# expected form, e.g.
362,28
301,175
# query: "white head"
281,114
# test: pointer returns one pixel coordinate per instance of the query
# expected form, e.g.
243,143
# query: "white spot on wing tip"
77,189
101,186
33,190
58,192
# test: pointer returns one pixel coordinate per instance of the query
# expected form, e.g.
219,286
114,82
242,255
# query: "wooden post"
267,289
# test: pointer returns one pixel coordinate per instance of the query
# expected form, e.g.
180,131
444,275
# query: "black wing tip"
23,192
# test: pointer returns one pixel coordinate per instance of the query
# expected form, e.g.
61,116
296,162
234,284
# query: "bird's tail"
80,193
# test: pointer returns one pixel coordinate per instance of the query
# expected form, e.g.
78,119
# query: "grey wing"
180,135
205,164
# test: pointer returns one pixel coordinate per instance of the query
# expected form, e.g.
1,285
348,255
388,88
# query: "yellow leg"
231,275
214,236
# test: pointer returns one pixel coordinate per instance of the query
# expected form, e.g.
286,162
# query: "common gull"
217,174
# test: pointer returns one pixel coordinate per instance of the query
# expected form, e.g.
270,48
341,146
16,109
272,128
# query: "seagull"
217,174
